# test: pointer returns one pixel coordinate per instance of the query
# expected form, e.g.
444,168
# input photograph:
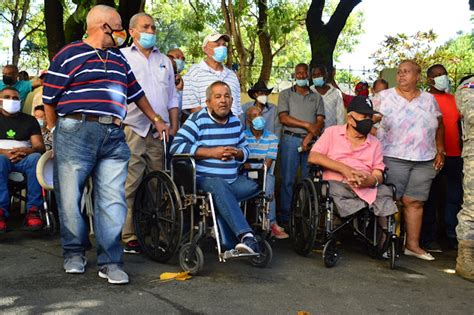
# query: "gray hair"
216,83
97,14
134,19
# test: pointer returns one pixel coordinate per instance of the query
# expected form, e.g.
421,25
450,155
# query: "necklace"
104,61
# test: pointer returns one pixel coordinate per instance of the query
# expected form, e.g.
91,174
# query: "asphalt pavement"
32,281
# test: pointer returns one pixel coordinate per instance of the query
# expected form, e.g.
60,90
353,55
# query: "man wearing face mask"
352,160
301,112
10,78
211,69
263,145
89,85
180,61
21,145
452,170
333,105
154,72
259,93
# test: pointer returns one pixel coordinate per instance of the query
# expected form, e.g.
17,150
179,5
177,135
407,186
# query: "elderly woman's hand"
439,161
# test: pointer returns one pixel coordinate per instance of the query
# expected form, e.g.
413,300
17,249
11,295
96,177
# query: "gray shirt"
301,107
269,112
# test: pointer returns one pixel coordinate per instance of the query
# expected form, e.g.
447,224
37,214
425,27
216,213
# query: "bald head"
101,14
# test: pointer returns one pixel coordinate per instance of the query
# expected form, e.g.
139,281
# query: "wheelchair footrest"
233,253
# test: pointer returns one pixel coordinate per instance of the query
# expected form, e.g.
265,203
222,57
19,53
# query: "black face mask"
8,80
363,126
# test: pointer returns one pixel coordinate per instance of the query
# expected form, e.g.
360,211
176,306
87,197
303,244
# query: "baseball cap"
214,38
361,105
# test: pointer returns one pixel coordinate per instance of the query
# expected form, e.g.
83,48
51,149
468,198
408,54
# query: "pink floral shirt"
408,129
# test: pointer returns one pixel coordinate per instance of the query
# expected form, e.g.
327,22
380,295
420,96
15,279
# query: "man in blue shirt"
215,137
10,78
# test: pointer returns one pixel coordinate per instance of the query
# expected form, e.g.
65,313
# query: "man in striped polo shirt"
207,71
263,145
88,85
215,137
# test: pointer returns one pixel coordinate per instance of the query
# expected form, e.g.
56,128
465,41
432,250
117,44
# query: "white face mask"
11,106
262,99
441,83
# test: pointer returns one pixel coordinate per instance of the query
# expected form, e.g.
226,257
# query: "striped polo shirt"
199,77
200,130
79,81
264,148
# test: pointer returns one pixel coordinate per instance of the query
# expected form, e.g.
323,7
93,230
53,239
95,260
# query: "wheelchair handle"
165,150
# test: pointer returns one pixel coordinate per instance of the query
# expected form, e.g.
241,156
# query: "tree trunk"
53,13
323,37
128,8
18,24
264,41
225,13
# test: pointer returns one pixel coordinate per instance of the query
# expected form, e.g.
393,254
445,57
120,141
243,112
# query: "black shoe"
248,245
432,247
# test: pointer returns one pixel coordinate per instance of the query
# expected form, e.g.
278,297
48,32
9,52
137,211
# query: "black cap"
260,86
361,105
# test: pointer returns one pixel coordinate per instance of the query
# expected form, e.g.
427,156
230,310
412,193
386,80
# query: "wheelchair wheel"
265,257
330,254
392,251
191,258
304,221
53,224
157,216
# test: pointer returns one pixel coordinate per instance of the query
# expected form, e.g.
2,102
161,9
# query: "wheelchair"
313,222
18,187
170,215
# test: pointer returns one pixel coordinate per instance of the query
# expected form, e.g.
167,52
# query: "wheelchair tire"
191,259
265,257
330,254
157,216
392,252
305,217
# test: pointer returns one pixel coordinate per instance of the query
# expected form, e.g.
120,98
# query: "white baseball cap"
214,38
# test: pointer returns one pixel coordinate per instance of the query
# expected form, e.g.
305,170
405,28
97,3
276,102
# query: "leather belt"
105,120
295,134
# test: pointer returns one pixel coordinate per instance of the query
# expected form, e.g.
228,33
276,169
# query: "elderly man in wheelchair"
352,163
208,152
21,143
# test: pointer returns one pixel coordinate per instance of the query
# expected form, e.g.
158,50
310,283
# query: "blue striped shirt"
199,77
264,148
79,81
201,131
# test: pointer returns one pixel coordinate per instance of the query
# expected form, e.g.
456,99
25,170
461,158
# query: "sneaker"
114,274
248,245
3,222
132,247
75,264
33,220
432,247
278,232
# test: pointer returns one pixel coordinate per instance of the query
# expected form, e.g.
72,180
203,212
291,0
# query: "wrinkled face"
220,102
144,24
301,73
114,22
407,75
253,113
209,49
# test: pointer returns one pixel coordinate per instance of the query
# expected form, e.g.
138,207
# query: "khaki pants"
147,156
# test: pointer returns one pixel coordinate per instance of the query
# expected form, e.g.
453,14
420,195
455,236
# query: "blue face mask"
179,65
220,53
302,83
258,123
147,40
318,82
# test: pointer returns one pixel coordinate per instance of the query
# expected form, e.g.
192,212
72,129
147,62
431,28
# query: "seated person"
40,116
264,145
215,137
353,163
21,145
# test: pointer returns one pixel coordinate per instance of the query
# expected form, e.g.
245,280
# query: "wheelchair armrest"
315,170
182,156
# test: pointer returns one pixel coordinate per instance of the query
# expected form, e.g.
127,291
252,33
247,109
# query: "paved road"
32,281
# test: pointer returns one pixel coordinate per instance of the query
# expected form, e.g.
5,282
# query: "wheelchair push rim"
158,217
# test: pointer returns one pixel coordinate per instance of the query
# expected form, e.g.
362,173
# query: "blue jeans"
290,161
453,193
27,166
227,197
83,149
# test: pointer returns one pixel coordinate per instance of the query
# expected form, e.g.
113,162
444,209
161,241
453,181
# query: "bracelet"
157,118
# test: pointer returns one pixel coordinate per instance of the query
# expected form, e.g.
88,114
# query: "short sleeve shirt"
302,107
266,147
16,130
451,118
269,112
408,128
367,157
